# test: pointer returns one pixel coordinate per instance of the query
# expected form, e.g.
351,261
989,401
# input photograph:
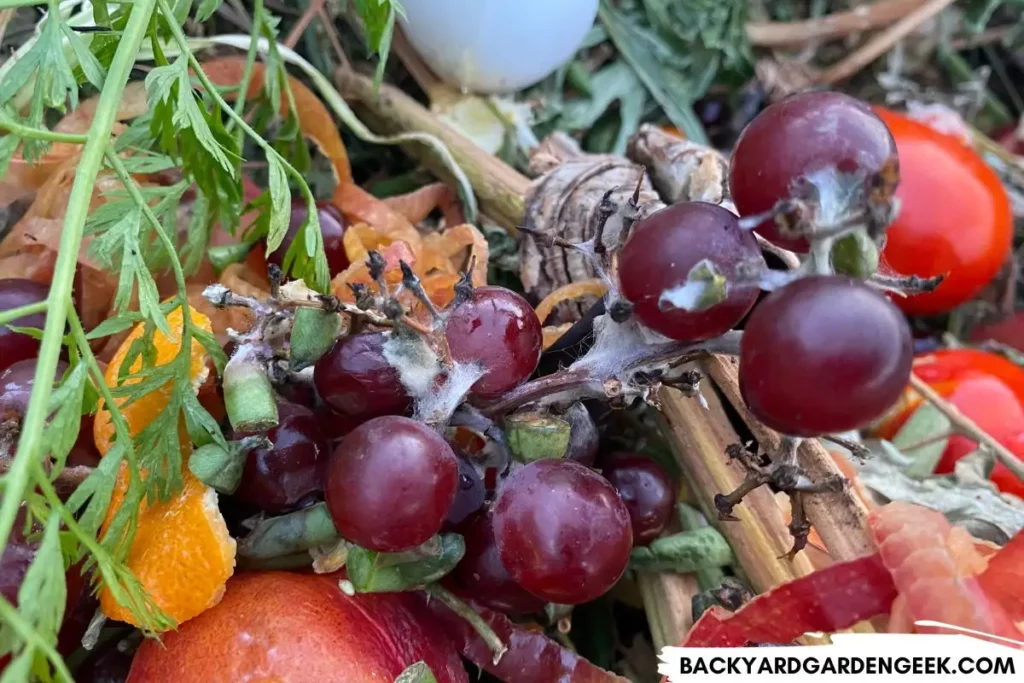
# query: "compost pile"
615,368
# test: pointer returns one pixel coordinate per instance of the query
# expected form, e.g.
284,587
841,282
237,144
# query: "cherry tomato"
1009,332
954,217
985,387
992,405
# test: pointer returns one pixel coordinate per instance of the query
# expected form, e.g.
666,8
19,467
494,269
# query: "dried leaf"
977,507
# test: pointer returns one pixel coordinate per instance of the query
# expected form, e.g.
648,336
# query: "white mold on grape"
437,406
415,362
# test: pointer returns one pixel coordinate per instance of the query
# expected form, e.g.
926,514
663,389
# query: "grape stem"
58,300
472,617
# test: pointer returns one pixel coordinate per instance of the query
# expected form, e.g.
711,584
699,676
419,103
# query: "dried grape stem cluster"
579,213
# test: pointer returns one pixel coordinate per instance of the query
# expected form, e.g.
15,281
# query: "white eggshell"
496,45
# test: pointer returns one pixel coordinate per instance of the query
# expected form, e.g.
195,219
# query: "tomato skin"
954,218
1009,332
992,405
987,388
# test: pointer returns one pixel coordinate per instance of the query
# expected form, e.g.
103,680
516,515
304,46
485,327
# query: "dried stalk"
881,43
840,518
831,26
699,436
667,599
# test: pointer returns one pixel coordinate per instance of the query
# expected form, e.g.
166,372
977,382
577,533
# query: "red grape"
498,329
15,293
646,490
332,227
660,253
562,531
277,478
16,384
469,497
355,378
482,577
803,134
390,484
824,354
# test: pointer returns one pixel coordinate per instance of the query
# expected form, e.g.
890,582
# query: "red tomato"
991,405
1009,332
954,217
986,387
1005,480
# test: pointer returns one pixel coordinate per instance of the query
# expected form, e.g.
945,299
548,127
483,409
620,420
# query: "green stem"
182,40
250,62
23,131
33,427
121,428
165,239
466,611
10,617
13,314
12,4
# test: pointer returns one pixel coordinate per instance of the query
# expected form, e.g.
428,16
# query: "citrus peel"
181,552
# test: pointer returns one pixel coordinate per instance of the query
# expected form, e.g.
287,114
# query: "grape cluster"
368,428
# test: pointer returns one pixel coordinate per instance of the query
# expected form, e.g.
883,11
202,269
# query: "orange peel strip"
182,552
573,290
552,333
315,121
359,206
418,204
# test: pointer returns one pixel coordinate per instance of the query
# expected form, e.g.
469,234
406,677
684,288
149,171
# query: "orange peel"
569,292
182,552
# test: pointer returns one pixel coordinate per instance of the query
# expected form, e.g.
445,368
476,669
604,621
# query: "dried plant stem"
667,598
839,518
880,44
312,9
498,186
831,26
760,538
966,426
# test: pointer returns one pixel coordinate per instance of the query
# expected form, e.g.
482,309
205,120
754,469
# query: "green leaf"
223,255
373,572
206,9
614,83
280,203
91,66
378,18
188,115
924,424
64,425
43,593
202,428
199,228
314,332
649,57
417,673
8,146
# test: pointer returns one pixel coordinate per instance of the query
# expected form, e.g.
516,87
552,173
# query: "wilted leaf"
975,505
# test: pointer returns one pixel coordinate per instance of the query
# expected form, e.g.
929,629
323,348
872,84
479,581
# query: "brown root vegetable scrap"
577,195
681,170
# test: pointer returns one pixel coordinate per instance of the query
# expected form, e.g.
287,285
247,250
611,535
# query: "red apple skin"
299,628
